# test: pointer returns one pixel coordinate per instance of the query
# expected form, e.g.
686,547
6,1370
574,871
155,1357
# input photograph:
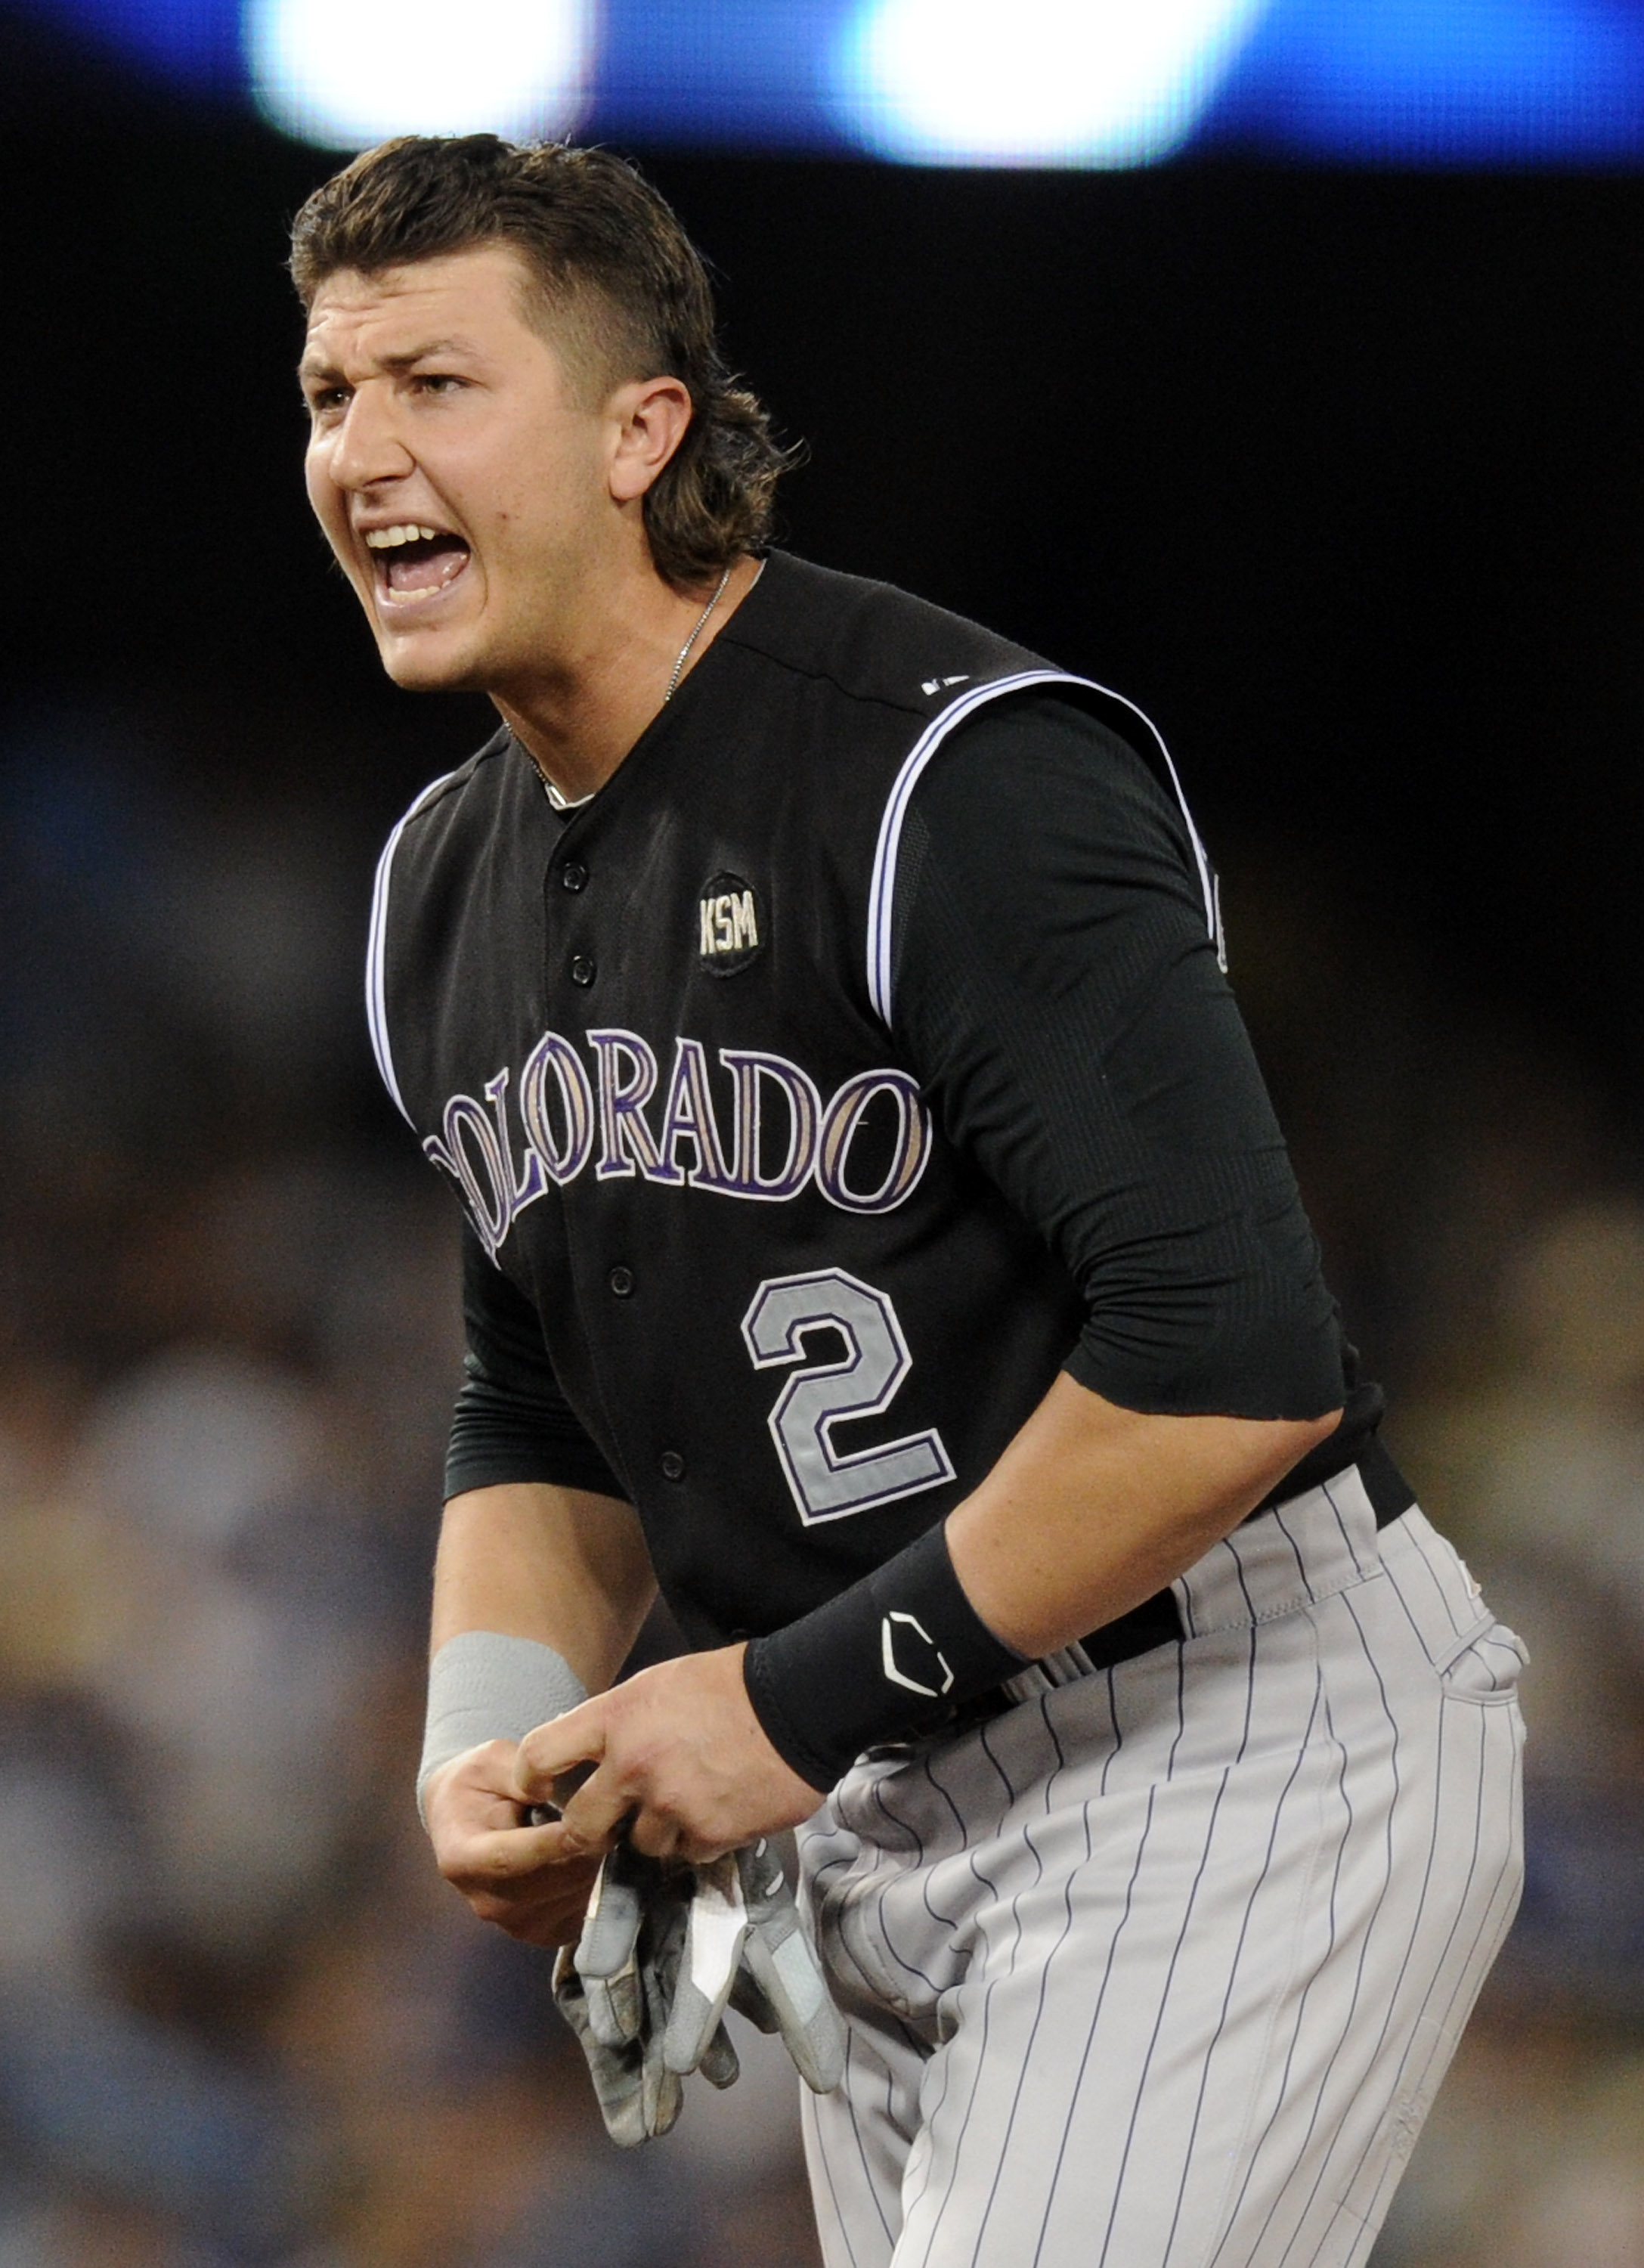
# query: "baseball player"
878,1238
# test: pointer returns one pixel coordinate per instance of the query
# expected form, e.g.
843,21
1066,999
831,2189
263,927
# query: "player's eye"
436,381
325,399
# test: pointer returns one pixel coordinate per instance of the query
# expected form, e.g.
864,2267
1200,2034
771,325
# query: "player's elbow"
1287,1440
1248,1458
1310,1431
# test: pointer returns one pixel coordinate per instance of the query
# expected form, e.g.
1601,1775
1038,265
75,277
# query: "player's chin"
419,661
434,647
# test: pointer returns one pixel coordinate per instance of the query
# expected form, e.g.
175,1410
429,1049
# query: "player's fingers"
521,1860
490,1857
656,1834
550,1750
599,1812
472,1791
660,1834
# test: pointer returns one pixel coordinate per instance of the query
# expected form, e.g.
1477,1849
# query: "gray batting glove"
746,1946
637,2094
716,1926
626,1888
780,1968
663,1950
618,1988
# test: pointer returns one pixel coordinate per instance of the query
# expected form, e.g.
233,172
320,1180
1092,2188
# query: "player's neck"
577,721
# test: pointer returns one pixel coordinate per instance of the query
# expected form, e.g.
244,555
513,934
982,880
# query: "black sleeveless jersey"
653,1047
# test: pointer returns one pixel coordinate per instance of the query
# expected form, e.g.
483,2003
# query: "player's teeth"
387,539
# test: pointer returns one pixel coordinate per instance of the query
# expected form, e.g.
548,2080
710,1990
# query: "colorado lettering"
474,1147
769,1136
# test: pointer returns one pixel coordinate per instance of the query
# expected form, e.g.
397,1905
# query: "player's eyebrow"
308,371
451,346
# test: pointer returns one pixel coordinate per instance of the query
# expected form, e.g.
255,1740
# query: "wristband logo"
864,1148
905,1634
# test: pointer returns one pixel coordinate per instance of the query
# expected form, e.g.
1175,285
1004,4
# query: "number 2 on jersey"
828,1483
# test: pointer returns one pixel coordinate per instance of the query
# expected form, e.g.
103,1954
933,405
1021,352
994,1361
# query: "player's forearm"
560,1566
1091,1511
1093,1508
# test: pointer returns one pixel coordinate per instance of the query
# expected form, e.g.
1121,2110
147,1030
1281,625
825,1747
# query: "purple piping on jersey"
881,895
375,950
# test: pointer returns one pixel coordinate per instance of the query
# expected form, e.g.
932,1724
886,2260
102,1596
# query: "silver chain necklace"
575,803
702,624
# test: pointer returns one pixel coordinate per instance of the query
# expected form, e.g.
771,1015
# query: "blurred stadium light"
347,73
1037,83
1079,83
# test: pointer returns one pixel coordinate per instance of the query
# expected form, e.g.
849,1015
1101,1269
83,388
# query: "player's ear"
650,416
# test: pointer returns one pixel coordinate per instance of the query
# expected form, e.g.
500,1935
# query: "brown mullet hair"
624,286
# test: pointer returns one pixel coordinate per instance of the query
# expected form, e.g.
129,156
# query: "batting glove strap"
892,1656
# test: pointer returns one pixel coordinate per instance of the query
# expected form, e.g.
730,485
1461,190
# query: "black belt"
1157,1621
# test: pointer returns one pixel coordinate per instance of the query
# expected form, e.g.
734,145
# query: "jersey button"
582,969
573,875
673,1465
622,1282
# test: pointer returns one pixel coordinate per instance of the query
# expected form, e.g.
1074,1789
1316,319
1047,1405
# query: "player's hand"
520,1877
681,1756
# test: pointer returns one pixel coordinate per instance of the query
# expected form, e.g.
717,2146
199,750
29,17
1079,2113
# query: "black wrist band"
891,1656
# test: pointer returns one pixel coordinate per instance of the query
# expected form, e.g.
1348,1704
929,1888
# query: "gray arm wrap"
484,1687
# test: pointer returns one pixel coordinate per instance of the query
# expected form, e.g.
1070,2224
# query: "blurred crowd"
241,2022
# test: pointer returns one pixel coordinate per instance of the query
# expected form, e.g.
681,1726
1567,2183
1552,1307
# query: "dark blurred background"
1336,468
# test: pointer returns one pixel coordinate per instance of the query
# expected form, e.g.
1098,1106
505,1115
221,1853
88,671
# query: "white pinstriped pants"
1162,1970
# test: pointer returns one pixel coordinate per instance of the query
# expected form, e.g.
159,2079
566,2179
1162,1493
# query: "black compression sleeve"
1056,989
893,1655
511,1422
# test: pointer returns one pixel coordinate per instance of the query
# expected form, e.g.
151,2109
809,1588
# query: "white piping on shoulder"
881,890
377,949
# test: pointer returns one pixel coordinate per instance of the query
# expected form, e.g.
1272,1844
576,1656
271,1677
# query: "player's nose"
368,447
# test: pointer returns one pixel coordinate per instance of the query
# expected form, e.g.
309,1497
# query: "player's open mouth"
413,563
